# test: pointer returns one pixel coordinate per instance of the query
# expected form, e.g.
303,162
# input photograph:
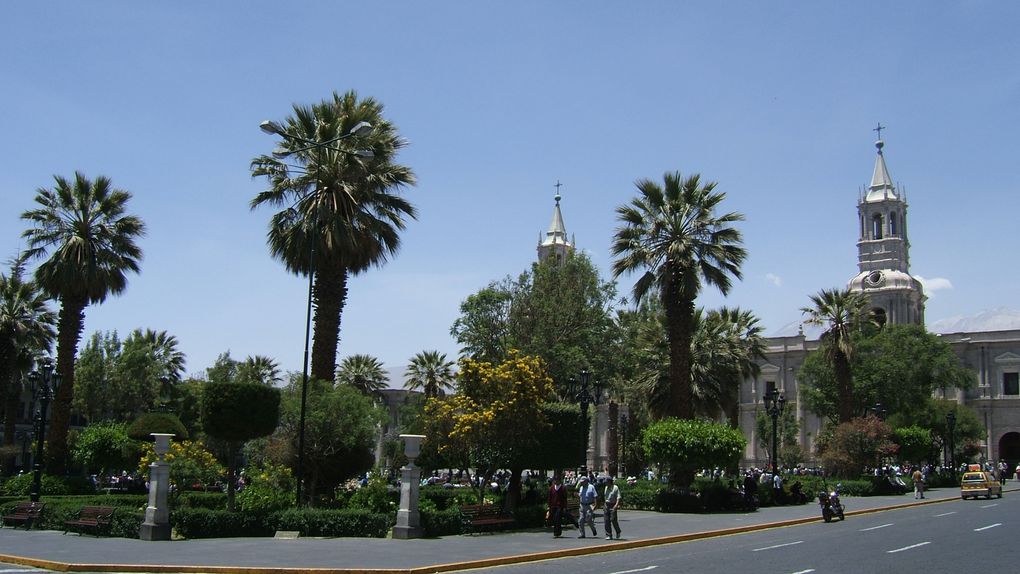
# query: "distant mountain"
998,319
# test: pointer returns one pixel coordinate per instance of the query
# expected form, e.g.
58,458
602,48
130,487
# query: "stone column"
408,519
157,514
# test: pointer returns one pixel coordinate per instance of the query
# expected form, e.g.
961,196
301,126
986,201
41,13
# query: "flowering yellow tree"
496,415
190,463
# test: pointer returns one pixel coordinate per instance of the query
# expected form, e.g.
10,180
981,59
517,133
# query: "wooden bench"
475,517
96,519
25,513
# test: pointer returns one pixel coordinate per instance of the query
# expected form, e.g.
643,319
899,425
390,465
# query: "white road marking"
13,570
987,527
990,505
945,514
638,570
875,527
805,571
778,546
907,547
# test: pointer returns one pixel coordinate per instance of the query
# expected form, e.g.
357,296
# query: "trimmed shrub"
333,523
207,500
21,485
143,427
445,522
531,516
206,523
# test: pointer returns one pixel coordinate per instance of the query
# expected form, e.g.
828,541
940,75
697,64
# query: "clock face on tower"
875,278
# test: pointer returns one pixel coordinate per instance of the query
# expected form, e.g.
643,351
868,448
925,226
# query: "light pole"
585,392
774,403
951,427
44,384
623,445
303,145
879,411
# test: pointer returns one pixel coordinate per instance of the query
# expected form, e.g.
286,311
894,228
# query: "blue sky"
774,100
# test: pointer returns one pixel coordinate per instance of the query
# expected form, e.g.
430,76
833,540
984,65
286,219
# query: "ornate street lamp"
879,411
774,404
585,393
44,384
273,128
951,427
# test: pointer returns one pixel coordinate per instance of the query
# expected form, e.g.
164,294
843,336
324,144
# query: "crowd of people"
592,492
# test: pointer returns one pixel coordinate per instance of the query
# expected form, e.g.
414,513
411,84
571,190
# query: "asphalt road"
961,536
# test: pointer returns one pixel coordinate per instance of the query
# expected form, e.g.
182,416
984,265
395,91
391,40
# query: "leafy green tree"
856,445
431,373
841,313
968,431
26,327
364,373
236,413
914,444
671,234
82,227
103,448
341,426
483,328
686,445
224,370
338,203
142,428
899,366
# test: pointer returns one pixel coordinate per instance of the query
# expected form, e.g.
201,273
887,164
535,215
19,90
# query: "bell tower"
554,244
883,250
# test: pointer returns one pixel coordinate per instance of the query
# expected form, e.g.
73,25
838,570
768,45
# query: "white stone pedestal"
157,514
408,519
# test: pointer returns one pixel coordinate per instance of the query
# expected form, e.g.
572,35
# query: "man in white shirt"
612,509
588,495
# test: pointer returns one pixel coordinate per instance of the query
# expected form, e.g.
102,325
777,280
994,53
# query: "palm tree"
725,351
259,369
341,212
82,227
430,372
840,313
26,328
671,232
363,372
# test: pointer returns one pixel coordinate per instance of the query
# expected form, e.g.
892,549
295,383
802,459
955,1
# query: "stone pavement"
72,553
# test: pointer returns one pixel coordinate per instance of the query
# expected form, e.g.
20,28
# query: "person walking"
612,512
557,505
918,479
587,495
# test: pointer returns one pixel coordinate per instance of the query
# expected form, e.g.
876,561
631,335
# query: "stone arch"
876,226
1008,448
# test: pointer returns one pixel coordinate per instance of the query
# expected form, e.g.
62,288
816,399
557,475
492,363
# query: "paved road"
962,536
641,529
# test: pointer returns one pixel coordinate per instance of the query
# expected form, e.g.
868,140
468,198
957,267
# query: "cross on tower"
879,130
557,186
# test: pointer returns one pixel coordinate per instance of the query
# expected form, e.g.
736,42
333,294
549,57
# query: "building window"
876,227
770,387
892,224
1011,384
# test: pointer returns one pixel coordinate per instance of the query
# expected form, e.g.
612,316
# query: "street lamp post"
623,445
44,384
774,403
951,427
585,392
272,128
879,411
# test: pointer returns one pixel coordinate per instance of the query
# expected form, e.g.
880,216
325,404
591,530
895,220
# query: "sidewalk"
72,553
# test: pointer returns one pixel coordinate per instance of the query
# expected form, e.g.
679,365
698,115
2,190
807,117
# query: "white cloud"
934,284
774,279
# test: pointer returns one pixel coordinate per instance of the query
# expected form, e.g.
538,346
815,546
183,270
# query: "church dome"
884,279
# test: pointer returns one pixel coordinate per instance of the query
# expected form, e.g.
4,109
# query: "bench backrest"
29,507
96,512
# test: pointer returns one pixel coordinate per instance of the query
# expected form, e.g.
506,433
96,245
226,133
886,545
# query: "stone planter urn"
157,514
408,519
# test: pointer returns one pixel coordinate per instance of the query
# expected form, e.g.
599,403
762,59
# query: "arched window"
863,228
893,231
876,226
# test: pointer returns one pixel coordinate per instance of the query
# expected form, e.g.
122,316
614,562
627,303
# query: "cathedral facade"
896,297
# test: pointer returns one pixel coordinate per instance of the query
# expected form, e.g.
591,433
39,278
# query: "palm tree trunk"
69,328
844,384
680,329
330,296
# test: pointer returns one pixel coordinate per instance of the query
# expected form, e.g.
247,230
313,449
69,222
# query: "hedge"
206,523
445,522
128,517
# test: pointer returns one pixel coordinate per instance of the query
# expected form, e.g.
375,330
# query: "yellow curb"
452,566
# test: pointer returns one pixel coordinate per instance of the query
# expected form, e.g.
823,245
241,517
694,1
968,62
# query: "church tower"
555,245
883,251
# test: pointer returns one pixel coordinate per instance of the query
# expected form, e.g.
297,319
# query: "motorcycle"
831,506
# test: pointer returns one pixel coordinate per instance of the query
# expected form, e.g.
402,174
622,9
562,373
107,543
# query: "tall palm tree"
164,349
840,312
259,369
725,351
26,327
672,234
88,241
341,212
430,372
363,372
